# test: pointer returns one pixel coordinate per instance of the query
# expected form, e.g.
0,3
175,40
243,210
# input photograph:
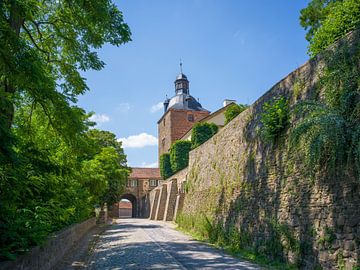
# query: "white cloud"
139,141
157,107
149,165
99,118
123,107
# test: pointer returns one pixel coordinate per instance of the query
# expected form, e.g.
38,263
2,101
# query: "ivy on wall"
165,166
201,132
179,155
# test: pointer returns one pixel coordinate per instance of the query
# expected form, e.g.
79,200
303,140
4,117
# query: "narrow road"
145,244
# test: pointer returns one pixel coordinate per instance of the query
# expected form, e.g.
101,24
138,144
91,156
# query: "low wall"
167,199
46,257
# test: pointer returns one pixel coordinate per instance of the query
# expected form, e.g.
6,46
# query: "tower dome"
182,99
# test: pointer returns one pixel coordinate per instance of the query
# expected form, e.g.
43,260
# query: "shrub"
234,110
201,132
179,155
275,118
165,166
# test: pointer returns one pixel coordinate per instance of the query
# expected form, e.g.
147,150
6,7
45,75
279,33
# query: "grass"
242,253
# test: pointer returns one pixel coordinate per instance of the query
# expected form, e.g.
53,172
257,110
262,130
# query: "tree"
43,45
328,21
201,132
234,110
165,166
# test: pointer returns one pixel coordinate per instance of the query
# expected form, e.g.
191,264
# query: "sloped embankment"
250,194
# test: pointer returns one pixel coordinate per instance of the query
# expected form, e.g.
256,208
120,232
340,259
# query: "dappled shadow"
146,252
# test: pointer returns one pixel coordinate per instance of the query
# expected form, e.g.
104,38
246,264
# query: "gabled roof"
145,173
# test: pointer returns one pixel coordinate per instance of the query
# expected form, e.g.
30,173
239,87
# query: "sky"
230,49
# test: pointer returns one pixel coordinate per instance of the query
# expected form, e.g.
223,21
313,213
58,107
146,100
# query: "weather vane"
180,66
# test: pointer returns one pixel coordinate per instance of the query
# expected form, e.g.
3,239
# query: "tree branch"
33,40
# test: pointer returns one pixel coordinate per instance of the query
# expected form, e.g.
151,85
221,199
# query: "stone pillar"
154,204
179,203
161,204
171,201
103,215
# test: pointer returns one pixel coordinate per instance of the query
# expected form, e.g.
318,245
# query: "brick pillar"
162,202
171,201
154,204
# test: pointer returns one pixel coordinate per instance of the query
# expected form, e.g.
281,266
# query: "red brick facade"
174,124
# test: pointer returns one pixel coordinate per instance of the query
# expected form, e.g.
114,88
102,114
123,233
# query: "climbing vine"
328,133
275,118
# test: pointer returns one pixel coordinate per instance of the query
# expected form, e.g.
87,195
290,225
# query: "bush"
234,110
165,166
275,118
179,155
201,132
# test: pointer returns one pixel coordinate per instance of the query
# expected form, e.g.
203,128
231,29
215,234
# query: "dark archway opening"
124,210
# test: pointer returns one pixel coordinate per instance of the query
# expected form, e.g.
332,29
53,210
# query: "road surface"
145,244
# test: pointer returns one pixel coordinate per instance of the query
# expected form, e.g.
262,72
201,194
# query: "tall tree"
328,21
43,45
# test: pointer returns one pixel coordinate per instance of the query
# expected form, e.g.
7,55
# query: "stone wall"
262,194
167,199
46,257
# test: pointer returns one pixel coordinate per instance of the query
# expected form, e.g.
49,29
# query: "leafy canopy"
329,20
43,45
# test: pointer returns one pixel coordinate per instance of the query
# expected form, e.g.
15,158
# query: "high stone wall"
260,195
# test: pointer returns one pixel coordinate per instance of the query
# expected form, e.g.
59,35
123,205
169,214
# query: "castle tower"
180,114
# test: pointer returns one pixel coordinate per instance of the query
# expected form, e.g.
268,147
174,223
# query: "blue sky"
230,49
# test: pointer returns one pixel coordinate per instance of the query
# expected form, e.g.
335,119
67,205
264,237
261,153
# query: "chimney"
228,101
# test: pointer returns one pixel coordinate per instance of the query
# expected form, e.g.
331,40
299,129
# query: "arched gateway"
141,181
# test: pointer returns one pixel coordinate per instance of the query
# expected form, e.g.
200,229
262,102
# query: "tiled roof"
153,173
126,205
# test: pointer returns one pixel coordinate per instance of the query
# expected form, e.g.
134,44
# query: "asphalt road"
145,244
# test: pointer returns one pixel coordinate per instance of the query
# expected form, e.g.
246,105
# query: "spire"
181,82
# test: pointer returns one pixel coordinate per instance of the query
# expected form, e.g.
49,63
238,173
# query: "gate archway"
134,203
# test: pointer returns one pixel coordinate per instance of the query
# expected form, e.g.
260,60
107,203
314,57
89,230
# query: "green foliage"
179,155
53,169
54,182
327,134
44,45
165,166
234,110
238,242
275,118
201,132
328,21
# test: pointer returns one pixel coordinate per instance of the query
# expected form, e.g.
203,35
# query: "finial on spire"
180,66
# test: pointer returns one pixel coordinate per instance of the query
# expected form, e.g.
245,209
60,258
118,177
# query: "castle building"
181,112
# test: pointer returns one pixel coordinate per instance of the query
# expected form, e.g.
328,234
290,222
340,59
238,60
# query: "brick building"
180,114
140,182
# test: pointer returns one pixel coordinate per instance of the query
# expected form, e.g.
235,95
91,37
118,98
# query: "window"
153,183
133,183
191,117
163,142
164,122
